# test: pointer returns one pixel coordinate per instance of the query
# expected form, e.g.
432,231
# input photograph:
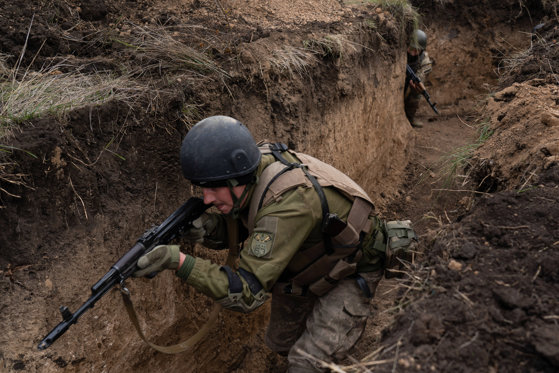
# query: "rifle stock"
173,227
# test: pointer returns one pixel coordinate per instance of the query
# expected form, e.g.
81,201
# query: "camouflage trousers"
411,104
324,327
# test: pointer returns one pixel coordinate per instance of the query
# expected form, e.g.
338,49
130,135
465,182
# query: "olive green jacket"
283,227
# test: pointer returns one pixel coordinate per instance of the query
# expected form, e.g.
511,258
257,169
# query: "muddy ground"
79,188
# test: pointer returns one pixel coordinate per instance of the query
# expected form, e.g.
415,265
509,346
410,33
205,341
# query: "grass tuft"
401,9
159,50
460,158
291,61
52,91
329,46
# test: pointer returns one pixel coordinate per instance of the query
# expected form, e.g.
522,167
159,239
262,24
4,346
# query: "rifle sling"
232,228
179,347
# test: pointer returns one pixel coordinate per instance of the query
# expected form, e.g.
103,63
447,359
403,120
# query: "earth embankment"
90,180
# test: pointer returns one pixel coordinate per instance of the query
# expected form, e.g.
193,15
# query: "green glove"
161,257
202,226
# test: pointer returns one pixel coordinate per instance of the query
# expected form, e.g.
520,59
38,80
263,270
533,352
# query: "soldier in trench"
312,241
418,59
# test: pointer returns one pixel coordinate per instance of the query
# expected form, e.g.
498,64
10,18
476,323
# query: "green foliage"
9,149
457,161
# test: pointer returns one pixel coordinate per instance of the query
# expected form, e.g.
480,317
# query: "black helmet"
218,149
419,40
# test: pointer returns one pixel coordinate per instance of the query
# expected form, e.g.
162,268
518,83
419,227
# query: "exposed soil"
485,289
78,189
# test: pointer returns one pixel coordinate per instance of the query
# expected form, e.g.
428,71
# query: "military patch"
261,244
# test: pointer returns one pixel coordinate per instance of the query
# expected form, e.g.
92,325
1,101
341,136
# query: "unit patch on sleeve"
261,244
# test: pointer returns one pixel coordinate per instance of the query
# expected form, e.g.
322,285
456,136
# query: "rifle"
173,227
410,75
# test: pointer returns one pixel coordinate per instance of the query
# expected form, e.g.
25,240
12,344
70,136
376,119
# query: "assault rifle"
173,227
410,75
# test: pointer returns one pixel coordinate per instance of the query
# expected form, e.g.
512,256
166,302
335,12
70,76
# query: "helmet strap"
235,211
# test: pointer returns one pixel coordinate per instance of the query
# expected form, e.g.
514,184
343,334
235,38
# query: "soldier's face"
413,52
221,197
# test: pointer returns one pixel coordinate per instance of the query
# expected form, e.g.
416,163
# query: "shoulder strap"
277,149
271,185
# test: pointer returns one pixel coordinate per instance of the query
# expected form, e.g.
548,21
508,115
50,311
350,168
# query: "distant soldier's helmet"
419,40
219,150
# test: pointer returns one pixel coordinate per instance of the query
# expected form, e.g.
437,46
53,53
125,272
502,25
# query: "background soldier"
418,60
312,241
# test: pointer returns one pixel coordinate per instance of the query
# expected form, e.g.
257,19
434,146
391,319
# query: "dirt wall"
333,111
468,42
103,175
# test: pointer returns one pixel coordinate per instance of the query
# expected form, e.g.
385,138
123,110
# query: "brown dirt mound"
525,124
525,141
491,294
485,294
539,61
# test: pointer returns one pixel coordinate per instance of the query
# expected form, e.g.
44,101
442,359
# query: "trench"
354,120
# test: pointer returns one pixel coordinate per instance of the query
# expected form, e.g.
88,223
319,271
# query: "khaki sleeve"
281,230
208,278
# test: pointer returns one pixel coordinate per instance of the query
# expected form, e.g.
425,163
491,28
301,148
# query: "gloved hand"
203,225
161,257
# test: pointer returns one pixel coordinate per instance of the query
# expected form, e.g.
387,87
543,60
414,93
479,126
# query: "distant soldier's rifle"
173,227
410,75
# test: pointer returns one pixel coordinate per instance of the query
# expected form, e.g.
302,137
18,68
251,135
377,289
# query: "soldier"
418,60
312,241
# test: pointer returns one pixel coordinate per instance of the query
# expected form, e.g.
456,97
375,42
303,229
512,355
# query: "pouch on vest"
400,246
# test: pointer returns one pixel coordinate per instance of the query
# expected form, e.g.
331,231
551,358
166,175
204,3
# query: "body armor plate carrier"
319,268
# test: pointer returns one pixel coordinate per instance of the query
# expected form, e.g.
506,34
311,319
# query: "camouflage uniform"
326,326
421,66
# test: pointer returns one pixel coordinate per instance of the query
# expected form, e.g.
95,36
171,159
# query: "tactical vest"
318,268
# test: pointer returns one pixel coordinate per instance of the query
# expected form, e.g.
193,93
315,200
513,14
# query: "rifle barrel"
69,318
167,231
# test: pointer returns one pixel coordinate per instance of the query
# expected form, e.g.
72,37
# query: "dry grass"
26,95
66,85
333,45
159,50
294,61
401,9
4,69
290,61
539,54
52,91
9,177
